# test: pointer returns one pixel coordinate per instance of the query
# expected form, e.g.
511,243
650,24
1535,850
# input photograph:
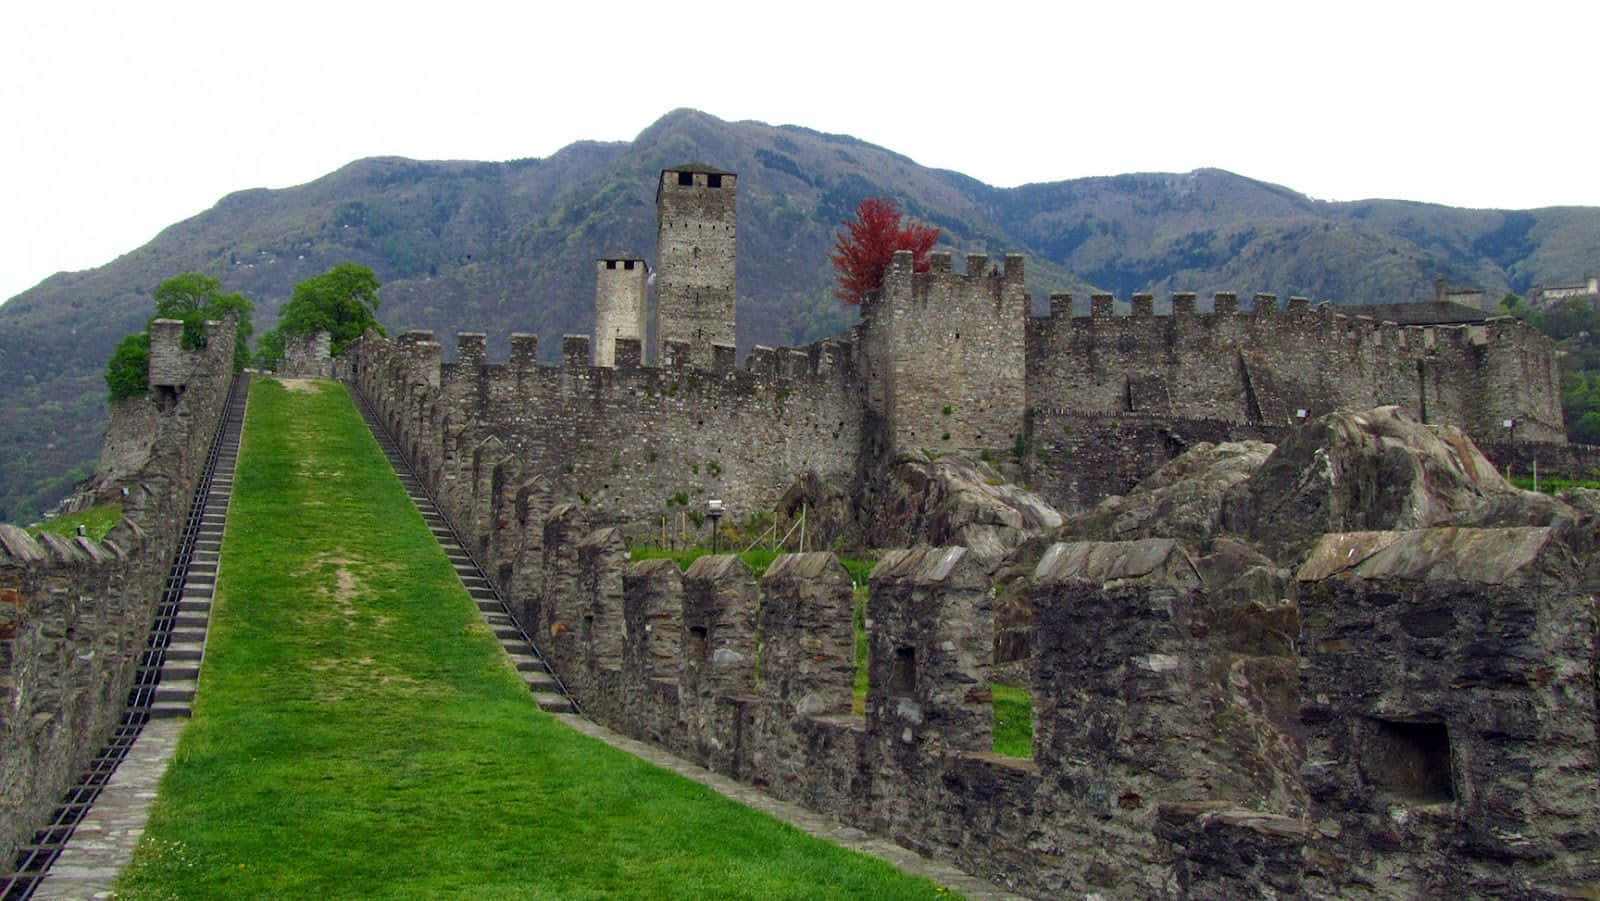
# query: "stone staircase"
180,665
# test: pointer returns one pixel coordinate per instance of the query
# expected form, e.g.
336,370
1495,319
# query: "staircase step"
551,702
539,681
179,670
185,651
180,690
167,710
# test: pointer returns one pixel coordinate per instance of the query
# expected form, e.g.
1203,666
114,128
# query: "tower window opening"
611,264
685,179
713,180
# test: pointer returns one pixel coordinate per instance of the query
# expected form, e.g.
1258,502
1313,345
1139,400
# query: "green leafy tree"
342,302
269,349
193,298
128,371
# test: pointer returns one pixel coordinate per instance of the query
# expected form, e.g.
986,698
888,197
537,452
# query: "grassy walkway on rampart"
358,733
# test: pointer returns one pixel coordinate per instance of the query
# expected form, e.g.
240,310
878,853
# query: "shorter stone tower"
619,304
944,356
695,259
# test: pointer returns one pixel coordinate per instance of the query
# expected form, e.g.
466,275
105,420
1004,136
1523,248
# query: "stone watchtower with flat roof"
695,259
619,304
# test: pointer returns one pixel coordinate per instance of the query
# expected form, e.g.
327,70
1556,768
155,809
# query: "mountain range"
503,247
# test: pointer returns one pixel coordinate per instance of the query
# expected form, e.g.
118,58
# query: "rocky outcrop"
1347,471
956,501
1378,469
1182,499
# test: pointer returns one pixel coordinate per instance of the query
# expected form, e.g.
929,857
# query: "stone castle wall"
1111,398
75,613
1167,710
643,447
1265,366
307,356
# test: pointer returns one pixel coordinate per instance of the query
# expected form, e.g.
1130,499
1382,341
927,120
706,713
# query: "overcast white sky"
122,118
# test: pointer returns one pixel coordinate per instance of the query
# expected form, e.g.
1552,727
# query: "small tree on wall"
863,250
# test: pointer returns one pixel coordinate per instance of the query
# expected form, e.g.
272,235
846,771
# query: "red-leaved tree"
863,250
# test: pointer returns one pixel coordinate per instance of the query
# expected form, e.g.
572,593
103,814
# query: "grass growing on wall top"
1551,486
96,522
358,732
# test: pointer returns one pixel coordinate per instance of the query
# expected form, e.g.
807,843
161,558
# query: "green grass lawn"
358,733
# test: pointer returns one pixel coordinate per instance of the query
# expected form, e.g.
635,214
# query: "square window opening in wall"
685,179
903,674
713,180
1410,759
699,647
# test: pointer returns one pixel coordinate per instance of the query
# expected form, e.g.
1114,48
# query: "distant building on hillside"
1543,296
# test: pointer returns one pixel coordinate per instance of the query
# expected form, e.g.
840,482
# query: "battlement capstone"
929,649
470,349
524,354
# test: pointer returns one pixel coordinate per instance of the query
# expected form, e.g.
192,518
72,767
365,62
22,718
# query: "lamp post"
714,513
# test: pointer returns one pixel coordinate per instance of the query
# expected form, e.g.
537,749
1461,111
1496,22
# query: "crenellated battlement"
1167,709
1167,714
1268,364
641,442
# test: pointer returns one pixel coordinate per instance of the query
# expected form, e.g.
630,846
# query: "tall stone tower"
619,304
694,259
